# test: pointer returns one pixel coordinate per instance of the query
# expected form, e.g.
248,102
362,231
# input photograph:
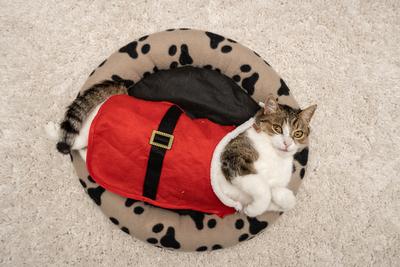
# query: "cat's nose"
287,143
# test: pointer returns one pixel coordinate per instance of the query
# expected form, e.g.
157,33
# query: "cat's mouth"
285,151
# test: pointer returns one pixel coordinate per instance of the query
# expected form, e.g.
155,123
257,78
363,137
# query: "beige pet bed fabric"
182,229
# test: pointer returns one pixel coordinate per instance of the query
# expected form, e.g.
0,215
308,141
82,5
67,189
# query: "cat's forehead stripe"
286,128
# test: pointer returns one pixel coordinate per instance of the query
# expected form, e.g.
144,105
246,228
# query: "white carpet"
342,55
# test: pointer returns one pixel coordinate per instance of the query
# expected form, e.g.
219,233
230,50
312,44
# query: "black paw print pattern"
132,48
216,39
248,82
184,56
167,240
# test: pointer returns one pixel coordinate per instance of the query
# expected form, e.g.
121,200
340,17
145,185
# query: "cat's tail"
78,111
227,193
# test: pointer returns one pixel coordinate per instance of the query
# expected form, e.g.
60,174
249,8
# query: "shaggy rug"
342,55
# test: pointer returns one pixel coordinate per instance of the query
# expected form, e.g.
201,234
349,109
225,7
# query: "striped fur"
79,109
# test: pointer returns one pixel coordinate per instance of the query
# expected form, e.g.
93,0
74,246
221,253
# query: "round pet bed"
215,55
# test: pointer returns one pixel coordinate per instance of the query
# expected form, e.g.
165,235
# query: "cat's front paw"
284,198
254,210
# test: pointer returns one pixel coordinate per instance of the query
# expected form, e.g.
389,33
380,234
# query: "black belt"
161,140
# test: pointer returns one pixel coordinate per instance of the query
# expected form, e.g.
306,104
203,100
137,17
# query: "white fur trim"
218,181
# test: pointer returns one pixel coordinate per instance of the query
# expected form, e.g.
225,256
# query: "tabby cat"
258,162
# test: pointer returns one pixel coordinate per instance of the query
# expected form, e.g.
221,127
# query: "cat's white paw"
253,210
284,198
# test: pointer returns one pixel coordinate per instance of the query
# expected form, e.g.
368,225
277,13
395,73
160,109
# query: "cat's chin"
285,153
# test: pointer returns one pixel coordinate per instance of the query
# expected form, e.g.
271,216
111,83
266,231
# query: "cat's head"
288,128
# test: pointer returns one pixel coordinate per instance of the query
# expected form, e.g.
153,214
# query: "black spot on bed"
168,240
243,237
216,246
202,248
95,194
114,221
236,78
83,183
127,83
71,157
209,67
184,29
158,228
293,168
102,63
172,50
215,39
226,49
91,179
143,38
92,73
170,30
196,216
302,173
129,202
124,229
239,224
185,58
283,90
302,156
130,49
249,82
280,213
267,63
231,40
173,65
152,240
255,53
211,223
245,68
146,74
145,49
256,226
138,210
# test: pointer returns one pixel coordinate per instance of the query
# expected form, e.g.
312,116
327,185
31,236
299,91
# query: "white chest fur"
275,169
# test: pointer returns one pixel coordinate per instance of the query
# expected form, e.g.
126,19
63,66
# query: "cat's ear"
270,105
307,113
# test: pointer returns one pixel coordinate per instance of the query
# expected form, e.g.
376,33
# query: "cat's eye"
277,128
298,134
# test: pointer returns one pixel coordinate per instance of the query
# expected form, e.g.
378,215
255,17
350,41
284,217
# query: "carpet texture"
342,55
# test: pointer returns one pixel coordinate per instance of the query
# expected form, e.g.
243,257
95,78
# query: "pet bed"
208,76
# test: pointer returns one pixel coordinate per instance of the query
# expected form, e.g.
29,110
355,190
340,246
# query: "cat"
258,162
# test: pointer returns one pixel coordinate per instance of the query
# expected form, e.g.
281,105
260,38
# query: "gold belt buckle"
155,143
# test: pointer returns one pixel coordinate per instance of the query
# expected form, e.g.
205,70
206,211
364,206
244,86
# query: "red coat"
118,154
